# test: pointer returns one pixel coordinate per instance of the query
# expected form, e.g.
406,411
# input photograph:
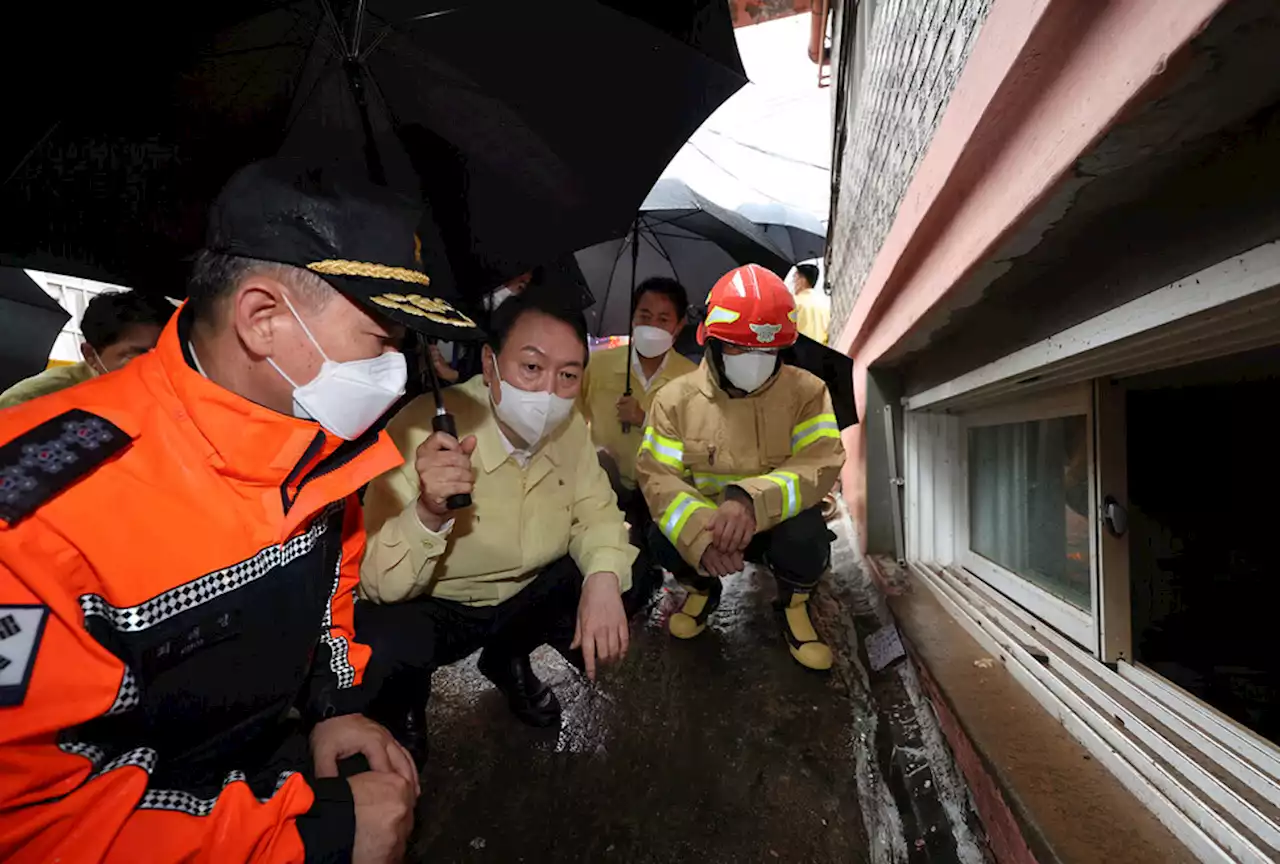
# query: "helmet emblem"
765,332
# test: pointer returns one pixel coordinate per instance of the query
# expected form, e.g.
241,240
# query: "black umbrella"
533,129
834,368
797,232
679,234
30,321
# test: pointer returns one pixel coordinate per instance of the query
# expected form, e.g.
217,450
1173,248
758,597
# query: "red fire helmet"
752,308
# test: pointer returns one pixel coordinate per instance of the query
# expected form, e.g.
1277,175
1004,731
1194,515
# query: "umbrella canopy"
797,232
834,368
30,321
531,129
679,234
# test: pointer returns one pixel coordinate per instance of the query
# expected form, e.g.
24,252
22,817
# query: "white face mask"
347,398
530,414
749,371
651,342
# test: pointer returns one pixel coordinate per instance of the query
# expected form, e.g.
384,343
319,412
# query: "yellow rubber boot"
802,639
692,618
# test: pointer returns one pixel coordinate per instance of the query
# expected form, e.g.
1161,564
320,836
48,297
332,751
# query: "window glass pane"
1029,503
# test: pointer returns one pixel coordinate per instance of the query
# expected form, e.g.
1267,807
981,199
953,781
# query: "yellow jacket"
604,383
813,314
521,520
780,445
49,381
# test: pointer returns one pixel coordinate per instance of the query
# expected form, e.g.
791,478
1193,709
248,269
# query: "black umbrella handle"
443,422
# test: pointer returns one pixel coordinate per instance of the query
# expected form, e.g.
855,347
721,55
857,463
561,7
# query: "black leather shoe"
410,729
415,736
533,702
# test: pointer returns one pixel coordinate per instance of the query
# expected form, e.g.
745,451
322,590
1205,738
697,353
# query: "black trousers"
411,640
798,551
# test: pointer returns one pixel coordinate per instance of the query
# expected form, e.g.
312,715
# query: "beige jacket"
521,520
603,385
780,445
813,314
49,381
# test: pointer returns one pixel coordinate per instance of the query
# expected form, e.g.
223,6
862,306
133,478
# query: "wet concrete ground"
721,749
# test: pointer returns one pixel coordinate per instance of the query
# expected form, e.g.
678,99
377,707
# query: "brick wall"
914,52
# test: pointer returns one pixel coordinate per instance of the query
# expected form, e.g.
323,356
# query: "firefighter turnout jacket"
779,444
177,572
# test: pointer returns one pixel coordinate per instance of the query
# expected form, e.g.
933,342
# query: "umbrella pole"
635,263
443,422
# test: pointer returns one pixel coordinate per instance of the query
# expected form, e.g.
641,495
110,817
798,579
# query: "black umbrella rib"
358,30
333,24
662,250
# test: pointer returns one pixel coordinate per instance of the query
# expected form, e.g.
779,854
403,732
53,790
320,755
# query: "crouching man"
737,458
540,557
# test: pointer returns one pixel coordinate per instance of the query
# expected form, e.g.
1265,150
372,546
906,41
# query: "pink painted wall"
1045,79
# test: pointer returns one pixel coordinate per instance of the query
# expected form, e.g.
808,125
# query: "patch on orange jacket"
42,462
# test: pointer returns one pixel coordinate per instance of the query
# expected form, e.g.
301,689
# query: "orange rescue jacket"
177,572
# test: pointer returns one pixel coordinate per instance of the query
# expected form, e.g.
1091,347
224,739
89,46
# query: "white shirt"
522,457
645,381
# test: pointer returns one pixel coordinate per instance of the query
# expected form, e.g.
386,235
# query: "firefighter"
180,544
736,459
616,418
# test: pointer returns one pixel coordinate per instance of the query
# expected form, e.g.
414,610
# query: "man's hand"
340,737
444,468
602,631
733,525
384,817
444,371
721,564
629,411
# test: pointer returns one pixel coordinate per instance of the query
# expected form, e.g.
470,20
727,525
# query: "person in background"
180,543
541,555
736,460
117,327
463,359
617,420
813,307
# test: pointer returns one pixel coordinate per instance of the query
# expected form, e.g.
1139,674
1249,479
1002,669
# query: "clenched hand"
339,737
629,411
733,525
444,468
721,564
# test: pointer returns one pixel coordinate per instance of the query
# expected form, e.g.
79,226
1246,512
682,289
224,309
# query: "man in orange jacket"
180,543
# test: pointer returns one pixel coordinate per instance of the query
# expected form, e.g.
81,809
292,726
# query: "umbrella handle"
443,422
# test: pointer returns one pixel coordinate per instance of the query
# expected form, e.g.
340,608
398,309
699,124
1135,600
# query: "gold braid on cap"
338,267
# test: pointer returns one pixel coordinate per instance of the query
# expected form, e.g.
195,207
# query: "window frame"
1079,625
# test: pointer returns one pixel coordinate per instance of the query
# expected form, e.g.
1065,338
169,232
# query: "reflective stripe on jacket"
176,599
781,445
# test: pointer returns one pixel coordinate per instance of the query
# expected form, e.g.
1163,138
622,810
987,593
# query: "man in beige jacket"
541,556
